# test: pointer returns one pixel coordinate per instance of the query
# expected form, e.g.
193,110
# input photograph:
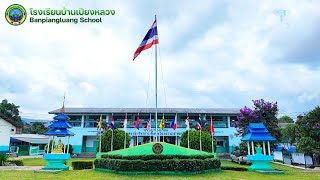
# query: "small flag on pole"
99,123
125,122
149,124
198,125
162,123
137,123
211,126
112,123
174,124
187,123
150,39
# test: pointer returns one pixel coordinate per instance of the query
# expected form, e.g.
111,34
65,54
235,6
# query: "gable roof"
257,132
11,121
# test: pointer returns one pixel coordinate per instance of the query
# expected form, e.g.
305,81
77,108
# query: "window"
220,143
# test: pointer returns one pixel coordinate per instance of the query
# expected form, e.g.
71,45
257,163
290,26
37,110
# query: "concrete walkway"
28,168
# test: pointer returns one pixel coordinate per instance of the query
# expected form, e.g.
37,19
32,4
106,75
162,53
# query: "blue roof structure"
257,132
292,149
59,132
61,117
279,148
60,126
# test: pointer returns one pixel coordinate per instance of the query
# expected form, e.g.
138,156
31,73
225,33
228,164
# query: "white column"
82,121
264,148
52,143
269,148
68,145
248,144
228,119
48,145
252,147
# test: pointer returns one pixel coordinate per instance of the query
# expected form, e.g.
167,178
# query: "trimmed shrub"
18,162
3,158
157,157
146,163
194,138
234,168
82,164
118,140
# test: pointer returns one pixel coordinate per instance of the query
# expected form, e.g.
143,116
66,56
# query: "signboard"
34,150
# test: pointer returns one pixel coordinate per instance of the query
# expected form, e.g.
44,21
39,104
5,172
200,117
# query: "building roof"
30,138
234,111
60,124
257,132
11,121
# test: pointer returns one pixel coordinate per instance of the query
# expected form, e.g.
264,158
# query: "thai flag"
174,124
150,39
125,122
112,123
198,125
137,123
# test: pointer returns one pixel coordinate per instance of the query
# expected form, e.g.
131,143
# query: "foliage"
82,164
194,138
36,128
157,157
265,112
308,133
177,165
289,134
10,110
285,119
118,140
18,162
3,159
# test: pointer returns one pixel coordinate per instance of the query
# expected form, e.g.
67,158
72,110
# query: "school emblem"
15,14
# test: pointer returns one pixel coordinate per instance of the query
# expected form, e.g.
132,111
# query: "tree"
36,128
285,119
289,134
265,112
10,110
308,132
118,140
194,138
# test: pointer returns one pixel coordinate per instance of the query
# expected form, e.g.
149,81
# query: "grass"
290,173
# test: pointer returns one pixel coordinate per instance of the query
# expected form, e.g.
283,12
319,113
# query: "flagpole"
156,86
150,127
125,131
176,121
200,141
112,141
188,131
212,134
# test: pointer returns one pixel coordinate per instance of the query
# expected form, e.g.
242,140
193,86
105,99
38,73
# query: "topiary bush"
82,164
144,163
18,162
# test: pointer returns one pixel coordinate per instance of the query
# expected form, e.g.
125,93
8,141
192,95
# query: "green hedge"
180,165
234,168
157,157
18,162
82,164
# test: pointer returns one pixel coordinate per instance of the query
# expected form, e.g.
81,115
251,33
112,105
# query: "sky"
213,54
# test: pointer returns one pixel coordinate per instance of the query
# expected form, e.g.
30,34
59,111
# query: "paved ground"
29,168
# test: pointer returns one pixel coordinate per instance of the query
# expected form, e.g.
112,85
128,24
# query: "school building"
84,125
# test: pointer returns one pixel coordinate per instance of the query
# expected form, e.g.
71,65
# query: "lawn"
290,173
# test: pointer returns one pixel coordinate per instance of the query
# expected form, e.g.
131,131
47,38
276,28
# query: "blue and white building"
84,125
8,127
